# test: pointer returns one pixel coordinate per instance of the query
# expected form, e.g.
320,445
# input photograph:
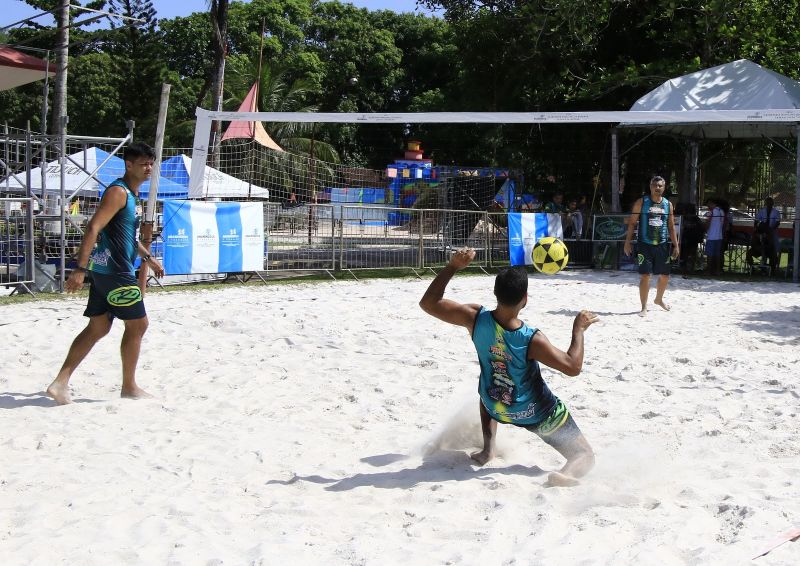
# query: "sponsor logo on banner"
231,239
179,239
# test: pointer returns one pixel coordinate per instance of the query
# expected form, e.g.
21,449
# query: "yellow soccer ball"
550,255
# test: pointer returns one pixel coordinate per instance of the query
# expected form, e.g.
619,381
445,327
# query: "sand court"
331,422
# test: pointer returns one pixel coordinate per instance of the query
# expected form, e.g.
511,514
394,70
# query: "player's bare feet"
557,479
482,457
643,312
59,392
135,392
662,304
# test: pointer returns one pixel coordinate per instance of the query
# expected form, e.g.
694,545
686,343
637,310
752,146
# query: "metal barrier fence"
333,237
328,238
16,243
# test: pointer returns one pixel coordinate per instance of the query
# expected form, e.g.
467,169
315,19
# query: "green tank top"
117,245
654,220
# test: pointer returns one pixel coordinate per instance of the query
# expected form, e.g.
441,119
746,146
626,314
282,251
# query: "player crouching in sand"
511,387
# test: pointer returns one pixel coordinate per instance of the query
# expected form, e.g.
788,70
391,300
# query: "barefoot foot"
482,457
135,392
59,392
643,312
557,479
662,304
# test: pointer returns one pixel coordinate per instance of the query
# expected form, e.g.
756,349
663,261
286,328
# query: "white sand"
330,423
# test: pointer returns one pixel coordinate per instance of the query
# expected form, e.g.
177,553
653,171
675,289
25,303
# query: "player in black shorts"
109,248
654,215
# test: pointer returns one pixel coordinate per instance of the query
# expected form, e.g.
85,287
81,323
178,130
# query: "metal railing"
17,266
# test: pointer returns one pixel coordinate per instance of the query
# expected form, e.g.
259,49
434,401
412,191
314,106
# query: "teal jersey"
654,220
511,386
117,245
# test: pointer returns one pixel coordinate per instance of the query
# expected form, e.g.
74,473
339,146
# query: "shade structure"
216,184
738,85
18,68
77,177
241,129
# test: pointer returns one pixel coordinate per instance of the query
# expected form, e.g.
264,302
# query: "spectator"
692,233
573,226
557,204
715,217
766,229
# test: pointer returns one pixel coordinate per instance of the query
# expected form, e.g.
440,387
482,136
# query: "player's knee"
137,326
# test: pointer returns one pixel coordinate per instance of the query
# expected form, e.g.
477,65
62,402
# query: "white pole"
796,263
146,233
150,212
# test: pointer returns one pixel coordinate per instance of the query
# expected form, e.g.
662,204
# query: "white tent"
215,184
106,168
738,85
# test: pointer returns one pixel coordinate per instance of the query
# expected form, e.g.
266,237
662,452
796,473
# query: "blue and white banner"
525,229
213,237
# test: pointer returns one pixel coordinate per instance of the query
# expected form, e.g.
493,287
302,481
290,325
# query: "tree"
137,63
219,38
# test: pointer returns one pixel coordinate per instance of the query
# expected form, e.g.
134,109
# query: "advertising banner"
525,229
213,237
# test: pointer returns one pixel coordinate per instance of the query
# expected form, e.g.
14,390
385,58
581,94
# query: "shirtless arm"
571,361
434,303
113,200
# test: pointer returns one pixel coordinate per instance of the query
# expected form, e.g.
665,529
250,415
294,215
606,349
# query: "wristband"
83,269
146,257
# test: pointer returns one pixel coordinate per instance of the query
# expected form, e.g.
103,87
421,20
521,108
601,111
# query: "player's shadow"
441,466
11,400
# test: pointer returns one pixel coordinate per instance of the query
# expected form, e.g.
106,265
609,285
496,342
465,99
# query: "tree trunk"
219,32
62,59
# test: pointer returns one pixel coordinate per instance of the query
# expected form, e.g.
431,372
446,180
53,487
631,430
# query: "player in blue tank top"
510,386
654,216
109,247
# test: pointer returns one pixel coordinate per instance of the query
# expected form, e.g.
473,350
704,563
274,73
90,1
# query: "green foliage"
485,55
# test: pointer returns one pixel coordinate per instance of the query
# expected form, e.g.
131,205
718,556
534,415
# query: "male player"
114,291
510,386
653,213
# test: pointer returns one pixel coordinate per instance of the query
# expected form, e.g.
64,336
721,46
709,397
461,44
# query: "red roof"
18,68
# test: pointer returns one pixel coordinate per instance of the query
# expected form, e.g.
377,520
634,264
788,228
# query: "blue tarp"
167,188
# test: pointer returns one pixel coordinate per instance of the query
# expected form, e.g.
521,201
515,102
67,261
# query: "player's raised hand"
462,258
585,319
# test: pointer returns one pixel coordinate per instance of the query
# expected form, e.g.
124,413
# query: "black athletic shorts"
654,258
115,295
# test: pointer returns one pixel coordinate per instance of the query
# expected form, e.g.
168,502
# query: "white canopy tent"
87,173
736,86
739,85
213,184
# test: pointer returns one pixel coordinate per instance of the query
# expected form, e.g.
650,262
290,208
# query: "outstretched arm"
433,301
571,361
